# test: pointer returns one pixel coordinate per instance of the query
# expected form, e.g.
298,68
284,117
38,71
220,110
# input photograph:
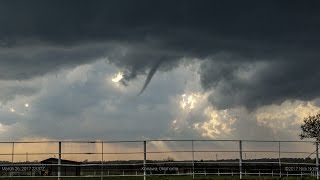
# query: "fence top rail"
164,140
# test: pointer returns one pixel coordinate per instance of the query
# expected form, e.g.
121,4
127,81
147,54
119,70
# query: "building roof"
55,161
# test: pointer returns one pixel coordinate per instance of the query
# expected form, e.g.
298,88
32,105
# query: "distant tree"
311,127
169,159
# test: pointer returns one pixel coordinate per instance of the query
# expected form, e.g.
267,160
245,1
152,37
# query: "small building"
52,170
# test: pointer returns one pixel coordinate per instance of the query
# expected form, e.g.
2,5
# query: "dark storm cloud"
10,91
214,26
269,49
30,61
259,83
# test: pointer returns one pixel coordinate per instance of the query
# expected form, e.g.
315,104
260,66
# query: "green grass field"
166,178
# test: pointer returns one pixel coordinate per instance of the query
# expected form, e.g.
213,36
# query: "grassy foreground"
165,178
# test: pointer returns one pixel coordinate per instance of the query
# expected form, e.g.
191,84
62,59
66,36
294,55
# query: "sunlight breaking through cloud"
117,77
218,124
189,101
291,113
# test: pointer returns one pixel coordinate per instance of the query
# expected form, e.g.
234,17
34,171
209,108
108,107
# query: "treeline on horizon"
171,160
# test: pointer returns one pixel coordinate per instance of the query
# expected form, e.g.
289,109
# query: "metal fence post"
144,160
192,159
59,161
317,158
240,159
102,160
12,152
279,159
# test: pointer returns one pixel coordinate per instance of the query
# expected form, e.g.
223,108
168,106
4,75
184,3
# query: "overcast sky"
212,69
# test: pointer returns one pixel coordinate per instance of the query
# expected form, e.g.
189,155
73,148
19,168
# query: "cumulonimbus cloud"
251,57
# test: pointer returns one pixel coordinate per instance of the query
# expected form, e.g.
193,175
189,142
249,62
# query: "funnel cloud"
151,73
